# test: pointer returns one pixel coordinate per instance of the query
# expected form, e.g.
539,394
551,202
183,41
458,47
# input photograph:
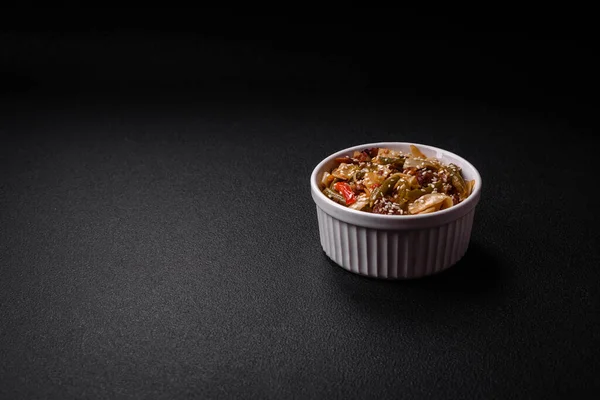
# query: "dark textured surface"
157,242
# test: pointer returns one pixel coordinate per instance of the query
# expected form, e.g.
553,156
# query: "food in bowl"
392,182
396,246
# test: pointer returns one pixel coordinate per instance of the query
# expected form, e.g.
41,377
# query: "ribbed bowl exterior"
397,254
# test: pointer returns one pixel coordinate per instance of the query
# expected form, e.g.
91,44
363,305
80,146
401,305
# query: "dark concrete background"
158,239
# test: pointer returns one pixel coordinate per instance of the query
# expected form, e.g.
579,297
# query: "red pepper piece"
346,191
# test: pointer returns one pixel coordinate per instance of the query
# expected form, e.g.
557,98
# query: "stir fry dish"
390,182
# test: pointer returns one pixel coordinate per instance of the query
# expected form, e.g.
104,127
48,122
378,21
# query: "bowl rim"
395,221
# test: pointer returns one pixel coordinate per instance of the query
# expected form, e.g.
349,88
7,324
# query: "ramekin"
395,246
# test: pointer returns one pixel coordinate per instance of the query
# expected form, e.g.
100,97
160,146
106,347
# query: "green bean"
402,203
389,183
358,175
397,162
385,187
457,180
412,195
402,190
335,196
374,195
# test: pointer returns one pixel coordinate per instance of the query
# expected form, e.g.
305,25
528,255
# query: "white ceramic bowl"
395,246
